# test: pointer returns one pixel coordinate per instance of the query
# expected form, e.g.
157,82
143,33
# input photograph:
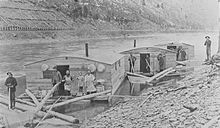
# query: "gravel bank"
191,104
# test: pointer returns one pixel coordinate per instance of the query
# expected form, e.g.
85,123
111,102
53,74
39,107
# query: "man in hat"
208,48
131,60
57,77
161,62
181,54
11,83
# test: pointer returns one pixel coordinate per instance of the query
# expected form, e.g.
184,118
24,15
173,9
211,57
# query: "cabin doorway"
62,69
145,63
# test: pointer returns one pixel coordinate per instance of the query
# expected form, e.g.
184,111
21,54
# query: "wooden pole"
219,26
47,113
79,98
32,97
159,74
9,98
64,117
39,107
165,74
135,43
87,49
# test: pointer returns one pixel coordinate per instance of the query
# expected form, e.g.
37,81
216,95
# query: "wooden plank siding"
190,51
117,74
76,65
170,58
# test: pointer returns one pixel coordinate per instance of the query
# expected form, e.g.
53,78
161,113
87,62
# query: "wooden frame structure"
112,65
152,52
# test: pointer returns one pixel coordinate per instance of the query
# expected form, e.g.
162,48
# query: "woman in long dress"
89,80
81,84
68,82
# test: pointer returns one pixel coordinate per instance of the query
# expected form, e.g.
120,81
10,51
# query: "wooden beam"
165,74
32,97
39,107
159,74
79,98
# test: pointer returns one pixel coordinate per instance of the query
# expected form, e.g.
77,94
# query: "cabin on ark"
150,54
189,49
107,67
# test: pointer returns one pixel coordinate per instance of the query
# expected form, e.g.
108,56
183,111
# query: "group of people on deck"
81,85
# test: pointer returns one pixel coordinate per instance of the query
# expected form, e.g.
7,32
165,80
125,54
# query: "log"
47,113
32,97
142,103
30,109
165,74
64,117
78,99
39,107
180,63
159,74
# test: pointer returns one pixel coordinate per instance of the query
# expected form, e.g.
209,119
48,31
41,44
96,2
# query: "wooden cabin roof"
101,56
148,49
174,43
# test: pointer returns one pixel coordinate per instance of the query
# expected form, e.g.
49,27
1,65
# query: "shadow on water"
85,109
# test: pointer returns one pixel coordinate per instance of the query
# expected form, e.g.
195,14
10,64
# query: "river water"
15,54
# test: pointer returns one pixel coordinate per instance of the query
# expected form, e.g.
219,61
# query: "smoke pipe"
134,43
87,50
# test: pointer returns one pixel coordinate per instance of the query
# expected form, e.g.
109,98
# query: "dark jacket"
11,82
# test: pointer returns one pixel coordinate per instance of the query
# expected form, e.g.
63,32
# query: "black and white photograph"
109,63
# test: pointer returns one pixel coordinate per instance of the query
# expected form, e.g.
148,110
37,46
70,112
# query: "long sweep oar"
47,112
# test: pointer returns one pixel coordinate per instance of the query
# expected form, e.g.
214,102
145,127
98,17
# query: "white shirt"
89,79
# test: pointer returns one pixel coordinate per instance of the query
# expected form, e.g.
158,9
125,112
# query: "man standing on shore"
11,83
208,48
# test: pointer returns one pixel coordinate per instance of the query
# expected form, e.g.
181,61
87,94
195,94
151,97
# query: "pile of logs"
194,102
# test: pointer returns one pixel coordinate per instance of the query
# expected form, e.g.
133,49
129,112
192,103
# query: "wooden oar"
47,112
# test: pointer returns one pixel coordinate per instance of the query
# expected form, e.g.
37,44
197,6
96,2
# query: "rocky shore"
193,102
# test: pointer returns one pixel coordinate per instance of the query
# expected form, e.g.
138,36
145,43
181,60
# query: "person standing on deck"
161,62
11,83
57,77
208,48
89,81
131,60
81,84
68,82
181,54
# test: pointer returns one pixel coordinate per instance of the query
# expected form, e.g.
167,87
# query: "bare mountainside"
92,18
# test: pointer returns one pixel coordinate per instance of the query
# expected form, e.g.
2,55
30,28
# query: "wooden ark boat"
108,68
150,54
174,46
